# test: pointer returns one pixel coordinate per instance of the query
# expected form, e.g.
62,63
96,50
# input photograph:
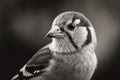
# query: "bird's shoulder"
41,57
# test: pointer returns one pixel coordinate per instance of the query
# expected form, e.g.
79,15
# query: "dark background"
24,23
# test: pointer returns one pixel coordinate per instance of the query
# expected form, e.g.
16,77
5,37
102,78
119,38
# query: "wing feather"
36,65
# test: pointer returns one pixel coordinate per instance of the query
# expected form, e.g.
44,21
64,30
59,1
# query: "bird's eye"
71,27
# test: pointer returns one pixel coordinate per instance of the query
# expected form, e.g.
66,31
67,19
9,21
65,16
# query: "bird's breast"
79,66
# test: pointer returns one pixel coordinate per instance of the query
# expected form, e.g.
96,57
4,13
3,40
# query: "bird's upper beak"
55,32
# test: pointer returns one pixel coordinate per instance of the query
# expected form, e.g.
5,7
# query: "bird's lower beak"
55,35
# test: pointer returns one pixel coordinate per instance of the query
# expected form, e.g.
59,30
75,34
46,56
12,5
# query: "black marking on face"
70,38
89,37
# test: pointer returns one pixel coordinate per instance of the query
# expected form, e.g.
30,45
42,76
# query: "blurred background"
24,23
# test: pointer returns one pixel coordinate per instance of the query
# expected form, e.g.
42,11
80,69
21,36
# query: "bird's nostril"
58,30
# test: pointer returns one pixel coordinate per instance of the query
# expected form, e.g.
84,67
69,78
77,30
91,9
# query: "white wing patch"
25,73
15,77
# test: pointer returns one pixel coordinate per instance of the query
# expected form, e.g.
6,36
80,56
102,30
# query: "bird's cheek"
80,35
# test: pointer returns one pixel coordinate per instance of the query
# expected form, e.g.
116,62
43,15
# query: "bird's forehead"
63,19
69,17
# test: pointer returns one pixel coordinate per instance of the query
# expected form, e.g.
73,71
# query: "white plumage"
70,55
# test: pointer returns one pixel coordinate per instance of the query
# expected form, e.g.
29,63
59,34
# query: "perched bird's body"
70,55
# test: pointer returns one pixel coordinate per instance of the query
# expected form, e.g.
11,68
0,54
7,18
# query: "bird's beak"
55,32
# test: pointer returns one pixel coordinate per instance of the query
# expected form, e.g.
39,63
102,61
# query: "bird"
70,55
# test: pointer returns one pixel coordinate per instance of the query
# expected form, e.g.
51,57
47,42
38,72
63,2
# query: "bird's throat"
62,46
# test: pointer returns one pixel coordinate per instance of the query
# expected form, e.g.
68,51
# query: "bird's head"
71,31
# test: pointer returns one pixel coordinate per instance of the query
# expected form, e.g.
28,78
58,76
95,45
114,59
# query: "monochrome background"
24,23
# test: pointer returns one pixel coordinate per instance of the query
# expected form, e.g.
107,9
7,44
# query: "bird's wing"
36,65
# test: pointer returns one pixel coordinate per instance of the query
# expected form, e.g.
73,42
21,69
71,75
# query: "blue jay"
70,55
